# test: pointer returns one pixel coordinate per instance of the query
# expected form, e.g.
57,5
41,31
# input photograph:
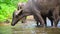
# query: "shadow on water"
27,28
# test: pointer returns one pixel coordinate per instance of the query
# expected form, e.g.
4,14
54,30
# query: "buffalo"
40,9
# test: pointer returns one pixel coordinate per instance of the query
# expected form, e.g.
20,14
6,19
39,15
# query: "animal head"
17,15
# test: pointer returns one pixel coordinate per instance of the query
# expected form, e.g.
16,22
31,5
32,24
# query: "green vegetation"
6,9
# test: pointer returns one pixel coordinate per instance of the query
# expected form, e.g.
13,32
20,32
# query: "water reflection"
30,28
36,30
27,28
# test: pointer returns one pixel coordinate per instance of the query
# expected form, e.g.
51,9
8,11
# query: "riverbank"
4,24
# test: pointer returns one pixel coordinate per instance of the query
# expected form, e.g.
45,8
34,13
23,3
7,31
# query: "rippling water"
28,28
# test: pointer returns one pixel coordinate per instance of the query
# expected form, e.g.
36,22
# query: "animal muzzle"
13,23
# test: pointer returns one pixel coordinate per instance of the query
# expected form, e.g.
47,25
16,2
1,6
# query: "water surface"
27,28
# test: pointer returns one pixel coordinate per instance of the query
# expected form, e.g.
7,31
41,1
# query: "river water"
28,28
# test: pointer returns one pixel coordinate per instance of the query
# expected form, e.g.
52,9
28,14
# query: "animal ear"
21,11
19,7
18,12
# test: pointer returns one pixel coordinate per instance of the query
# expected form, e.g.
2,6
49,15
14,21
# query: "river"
28,28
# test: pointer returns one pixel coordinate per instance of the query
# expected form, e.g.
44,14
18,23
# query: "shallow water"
27,28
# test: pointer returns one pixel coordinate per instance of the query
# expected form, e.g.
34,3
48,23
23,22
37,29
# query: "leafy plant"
7,8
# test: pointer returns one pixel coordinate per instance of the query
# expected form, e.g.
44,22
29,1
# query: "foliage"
7,7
